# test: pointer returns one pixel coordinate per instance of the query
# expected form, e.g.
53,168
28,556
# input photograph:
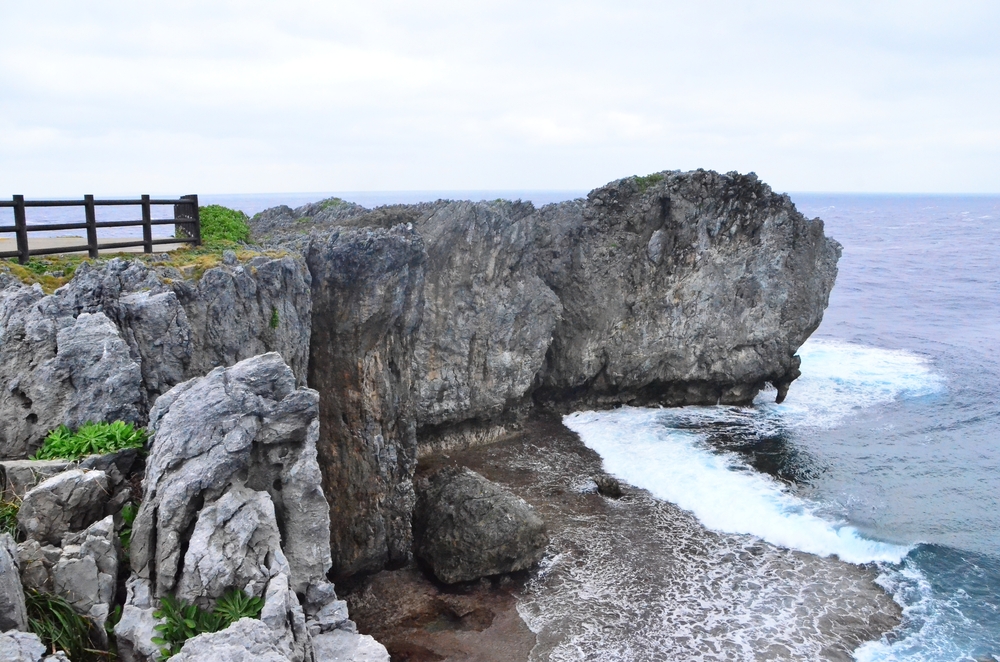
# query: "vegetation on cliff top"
223,223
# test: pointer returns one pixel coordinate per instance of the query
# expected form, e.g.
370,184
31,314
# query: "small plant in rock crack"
181,620
128,513
8,516
90,439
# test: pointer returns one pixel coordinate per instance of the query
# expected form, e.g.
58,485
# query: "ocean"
885,455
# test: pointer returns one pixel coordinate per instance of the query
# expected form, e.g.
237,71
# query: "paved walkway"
10,244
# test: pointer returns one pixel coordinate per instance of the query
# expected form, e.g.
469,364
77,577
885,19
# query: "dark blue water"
922,274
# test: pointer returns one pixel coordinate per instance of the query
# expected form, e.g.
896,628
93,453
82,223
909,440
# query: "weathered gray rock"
83,571
366,308
341,646
13,614
19,476
488,318
235,543
21,647
120,333
233,457
246,640
682,288
246,425
66,503
467,527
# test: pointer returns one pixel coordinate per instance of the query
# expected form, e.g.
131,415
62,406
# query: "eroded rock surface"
66,503
468,527
120,333
366,310
83,570
13,614
233,500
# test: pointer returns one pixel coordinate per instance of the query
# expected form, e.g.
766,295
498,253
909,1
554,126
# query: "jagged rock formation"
119,334
83,570
366,310
468,527
13,614
677,288
233,500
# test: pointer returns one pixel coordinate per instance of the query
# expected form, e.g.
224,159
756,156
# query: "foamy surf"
661,450
640,447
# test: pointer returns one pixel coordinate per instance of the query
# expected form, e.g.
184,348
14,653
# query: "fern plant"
90,439
182,621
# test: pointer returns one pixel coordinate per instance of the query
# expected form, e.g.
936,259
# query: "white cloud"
261,96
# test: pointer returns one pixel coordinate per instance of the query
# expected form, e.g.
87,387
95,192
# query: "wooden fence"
186,220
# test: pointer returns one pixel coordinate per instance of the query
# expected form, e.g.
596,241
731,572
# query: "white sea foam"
721,491
645,448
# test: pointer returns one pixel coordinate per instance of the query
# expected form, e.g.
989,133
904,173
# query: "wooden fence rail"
187,222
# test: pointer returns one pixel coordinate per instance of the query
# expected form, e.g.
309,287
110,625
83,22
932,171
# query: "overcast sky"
253,97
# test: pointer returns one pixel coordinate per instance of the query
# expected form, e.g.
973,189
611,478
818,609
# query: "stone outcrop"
13,614
233,500
66,503
120,333
83,571
677,288
366,310
468,527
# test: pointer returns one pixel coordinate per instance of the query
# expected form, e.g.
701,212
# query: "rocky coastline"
300,399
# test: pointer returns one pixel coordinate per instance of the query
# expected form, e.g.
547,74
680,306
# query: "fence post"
21,229
147,227
88,203
186,218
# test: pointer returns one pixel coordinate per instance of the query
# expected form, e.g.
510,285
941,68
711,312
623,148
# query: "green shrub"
182,621
90,439
218,222
649,180
8,516
59,626
274,318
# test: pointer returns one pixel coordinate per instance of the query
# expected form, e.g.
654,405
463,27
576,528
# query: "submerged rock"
467,527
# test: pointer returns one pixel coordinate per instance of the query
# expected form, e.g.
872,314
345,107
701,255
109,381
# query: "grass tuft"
90,439
59,626
8,516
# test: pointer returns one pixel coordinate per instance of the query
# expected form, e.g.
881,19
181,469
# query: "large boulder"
680,288
467,527
232,500
19,476
366,310
13,614
121,332
66,503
